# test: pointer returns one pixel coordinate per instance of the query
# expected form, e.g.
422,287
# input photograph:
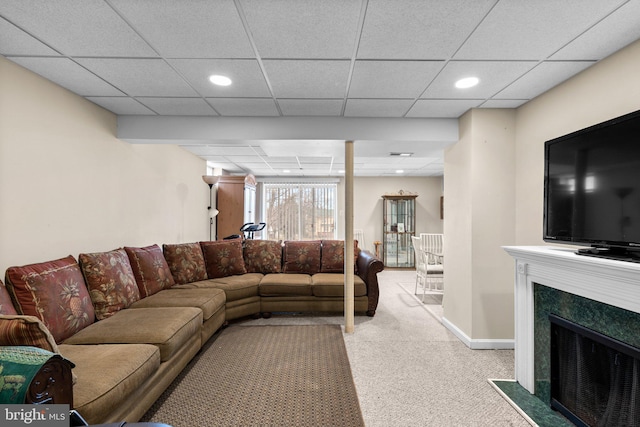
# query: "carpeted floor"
408,369
265,376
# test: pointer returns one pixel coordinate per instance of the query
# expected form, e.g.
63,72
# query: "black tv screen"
592,185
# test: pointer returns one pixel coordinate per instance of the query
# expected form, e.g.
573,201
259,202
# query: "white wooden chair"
421,264
432,245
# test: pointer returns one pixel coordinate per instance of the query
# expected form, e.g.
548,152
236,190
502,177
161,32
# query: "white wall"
67,185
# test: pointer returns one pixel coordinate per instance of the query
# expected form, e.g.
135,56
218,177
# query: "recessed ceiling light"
286,171
399,171
220,80
401,154
341,171
467,82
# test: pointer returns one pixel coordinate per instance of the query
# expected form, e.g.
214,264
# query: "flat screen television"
592,188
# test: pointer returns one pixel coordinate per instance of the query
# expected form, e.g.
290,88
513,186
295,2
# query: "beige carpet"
265,376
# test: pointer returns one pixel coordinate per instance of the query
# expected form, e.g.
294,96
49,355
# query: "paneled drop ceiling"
309,59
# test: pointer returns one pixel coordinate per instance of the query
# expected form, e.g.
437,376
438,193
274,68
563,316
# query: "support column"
349,303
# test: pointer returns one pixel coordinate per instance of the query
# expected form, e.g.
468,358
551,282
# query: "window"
300,211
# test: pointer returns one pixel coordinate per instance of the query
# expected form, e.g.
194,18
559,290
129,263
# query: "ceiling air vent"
401,154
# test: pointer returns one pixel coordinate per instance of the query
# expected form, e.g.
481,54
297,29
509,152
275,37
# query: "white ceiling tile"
121,105
524,30
244,106
451,108
232,151
377,107
247,78
190,29
619,29
77,27
307,79
503,103
418,29
302,148
178,106
494,76
15,41
311,107
392,79
140,77
303,28
68,74
541,79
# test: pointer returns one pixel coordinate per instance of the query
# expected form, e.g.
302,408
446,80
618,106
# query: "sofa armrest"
368,268
33,375
53,384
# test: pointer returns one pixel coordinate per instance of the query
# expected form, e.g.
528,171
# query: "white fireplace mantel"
612,282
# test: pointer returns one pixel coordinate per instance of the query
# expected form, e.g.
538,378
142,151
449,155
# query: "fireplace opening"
595,379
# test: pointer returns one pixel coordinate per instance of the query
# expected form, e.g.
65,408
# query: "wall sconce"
211,181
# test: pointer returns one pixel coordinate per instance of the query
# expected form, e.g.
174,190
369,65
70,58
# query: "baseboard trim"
478,344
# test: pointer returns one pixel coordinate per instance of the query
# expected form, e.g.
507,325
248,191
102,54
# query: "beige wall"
606,90
490,203
67,185
479,219
367,202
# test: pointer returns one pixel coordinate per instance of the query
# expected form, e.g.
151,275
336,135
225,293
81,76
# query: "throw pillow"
26,330
110,280
332,256
6,306
223,258
302,256
55,293
262,256
186,262
150,269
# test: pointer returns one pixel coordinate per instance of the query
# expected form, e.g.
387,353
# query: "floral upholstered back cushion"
185,261
302,256
110,280
55,293
333,256
6,306
223,258
263,256
150,269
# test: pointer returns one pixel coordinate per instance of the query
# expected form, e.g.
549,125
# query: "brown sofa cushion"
112,285
108,374
54,292
168,328
210,301
332,256
16,329
185,261
262,256
281,284
235,287
150,269
302,256
332,285
6,306
223,258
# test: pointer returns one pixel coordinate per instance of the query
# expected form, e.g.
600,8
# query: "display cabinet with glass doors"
399,224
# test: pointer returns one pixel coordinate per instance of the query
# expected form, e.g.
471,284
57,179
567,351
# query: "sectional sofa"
129,320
